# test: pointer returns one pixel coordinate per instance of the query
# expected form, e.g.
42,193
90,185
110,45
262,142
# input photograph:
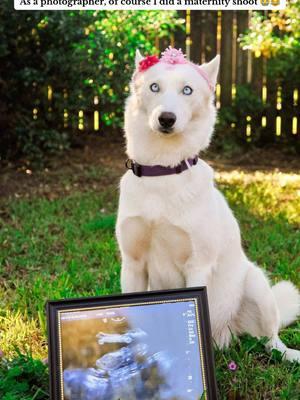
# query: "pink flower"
1,354
148,62
173,56
232,366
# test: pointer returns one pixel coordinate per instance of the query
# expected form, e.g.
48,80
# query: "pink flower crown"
172,57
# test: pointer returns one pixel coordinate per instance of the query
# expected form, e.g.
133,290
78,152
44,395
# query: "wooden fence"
209,33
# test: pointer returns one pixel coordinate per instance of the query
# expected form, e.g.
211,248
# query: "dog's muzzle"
166,122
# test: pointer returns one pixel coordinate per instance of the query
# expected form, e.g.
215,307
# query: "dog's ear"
212,69
138,58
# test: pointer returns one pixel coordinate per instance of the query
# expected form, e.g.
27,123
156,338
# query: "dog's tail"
288,301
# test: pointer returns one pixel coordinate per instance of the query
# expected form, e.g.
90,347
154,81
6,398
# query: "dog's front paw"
223,338
292,355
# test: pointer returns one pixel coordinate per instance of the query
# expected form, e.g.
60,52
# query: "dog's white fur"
178,231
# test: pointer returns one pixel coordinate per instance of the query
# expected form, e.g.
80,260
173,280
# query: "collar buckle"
134,166
137,169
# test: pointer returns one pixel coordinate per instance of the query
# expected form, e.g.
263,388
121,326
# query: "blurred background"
63,82
65,75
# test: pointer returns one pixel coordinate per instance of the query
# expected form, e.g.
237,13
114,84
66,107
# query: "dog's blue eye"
187,90
154,87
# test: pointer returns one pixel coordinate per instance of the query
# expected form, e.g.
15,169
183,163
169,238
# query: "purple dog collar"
159,170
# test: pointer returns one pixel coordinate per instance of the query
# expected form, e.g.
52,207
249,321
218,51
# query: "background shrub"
55,63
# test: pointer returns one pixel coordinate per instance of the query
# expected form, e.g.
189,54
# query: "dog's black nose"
167,119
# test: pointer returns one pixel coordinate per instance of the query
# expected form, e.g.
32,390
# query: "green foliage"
35,141
232,120
277,37
23,378
57,62
258,375
246,102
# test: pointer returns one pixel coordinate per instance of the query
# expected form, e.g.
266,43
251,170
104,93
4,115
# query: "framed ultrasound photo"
137,346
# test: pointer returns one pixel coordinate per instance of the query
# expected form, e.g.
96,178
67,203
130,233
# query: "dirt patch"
99,162
258,159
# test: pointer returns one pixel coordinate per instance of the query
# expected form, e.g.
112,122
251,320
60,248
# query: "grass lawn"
64,246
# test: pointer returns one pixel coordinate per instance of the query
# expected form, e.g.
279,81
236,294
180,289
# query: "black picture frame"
198,295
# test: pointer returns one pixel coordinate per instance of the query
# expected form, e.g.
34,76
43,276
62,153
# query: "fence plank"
163,44
257,86
226,54
257,75
180,34
287,110
241,55
269,133
89,120
196,32
210,24
297,115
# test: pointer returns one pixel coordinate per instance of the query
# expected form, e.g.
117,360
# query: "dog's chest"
155,198
169,249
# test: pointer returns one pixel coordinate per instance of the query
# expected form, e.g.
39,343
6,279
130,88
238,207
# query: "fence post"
180,34
257,86
163,44
226,55
269,134
297,115
211,23
241,55
196,32
287,110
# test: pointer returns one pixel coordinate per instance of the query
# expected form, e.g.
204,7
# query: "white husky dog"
174,227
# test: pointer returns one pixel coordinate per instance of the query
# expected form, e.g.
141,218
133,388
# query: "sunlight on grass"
267,205
264,192
23,333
